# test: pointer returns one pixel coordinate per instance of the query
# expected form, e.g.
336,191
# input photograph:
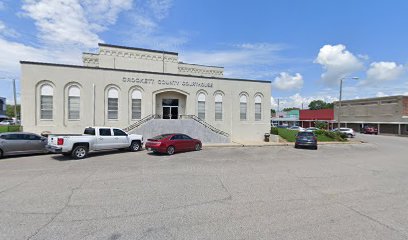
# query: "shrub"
321,125
274,131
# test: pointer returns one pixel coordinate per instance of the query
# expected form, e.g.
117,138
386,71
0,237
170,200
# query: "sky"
303,47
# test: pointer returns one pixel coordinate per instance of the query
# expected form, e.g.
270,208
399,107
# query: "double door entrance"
170,108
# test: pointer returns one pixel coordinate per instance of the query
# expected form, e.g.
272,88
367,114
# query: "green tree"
320,104
10,110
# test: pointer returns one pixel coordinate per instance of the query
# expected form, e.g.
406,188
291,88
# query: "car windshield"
305,134
160,137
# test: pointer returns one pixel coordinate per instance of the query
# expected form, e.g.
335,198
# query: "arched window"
46,102
218,107
201,106
258,108
74,103
113,103
136,104
243,107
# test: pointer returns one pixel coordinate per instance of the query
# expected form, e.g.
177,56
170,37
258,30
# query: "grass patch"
322,135
12,128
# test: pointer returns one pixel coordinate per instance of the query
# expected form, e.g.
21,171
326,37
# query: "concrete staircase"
192,126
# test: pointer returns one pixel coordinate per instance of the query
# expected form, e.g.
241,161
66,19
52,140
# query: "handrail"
205,124
138,123
193,117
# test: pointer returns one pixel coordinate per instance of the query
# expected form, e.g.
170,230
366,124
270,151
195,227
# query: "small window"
258,108
113,104
89,131
243,108
74,100
105,132
136,104
201,106
218,107
118,132
46,102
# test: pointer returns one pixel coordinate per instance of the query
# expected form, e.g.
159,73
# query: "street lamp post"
340,95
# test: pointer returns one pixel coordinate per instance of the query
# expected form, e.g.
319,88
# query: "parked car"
306,139
348,131
296,128
370,130
7,122
173,142
94,139
311,129
17,143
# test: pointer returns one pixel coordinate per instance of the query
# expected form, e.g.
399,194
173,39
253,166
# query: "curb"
272,144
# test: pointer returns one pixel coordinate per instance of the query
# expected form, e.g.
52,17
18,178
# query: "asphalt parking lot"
352,191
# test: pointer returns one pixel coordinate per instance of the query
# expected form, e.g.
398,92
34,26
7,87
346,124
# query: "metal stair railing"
140,122
205,124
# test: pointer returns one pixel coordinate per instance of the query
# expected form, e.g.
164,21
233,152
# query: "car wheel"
135,146
349,135
79,152
170,150
296,146
197,147
1,153
315,147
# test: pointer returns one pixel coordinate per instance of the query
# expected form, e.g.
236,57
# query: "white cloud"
384,71
337,63
73,22
287,82
160,8
248,60
405,94
297,100
274,104
381,94
6,31
13,52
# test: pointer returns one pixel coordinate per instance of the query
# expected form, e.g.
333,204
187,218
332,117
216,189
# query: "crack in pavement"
65,206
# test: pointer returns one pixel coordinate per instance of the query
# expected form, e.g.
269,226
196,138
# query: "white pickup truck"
94,139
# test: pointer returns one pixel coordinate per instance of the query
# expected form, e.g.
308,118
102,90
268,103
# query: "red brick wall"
405,106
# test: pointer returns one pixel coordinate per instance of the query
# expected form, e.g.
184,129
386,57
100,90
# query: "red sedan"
370,130
173,142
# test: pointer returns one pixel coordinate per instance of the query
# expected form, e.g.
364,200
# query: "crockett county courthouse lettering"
143,91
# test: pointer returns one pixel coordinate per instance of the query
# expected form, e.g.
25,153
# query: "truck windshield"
89,131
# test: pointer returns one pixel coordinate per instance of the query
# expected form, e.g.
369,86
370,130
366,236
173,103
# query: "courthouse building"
143,91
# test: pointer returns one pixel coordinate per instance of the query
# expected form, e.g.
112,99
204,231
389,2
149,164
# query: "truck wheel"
1,153
135,146
79,152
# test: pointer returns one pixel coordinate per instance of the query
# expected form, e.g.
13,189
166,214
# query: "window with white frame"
46,102
113,104
218,107
74,103
243,107
136,104
201,106
258,108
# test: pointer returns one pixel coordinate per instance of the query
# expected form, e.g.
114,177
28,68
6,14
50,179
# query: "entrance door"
170,108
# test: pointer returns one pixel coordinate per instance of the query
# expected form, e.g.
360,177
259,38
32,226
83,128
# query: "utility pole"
278,105
15,99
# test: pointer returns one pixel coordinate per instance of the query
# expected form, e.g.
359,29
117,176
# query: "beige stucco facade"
156,75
